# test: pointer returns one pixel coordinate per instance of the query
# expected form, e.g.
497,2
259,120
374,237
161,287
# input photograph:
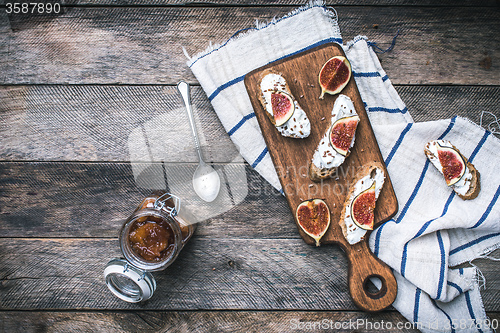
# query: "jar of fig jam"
150,240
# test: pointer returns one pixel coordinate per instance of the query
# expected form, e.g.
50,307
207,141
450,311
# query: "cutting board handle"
363,265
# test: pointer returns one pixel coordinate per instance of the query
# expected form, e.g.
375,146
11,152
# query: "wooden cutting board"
291,158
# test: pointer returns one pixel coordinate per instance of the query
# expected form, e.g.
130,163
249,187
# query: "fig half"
313,217
452,162
362,208
283,107
334,75
342,133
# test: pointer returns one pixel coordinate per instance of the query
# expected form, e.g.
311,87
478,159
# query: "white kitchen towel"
434,229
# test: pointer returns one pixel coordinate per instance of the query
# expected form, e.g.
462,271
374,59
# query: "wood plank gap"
390,310
67,162
203,237
112,84
193,4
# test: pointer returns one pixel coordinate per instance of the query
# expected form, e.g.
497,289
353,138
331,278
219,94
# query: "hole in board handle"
370,286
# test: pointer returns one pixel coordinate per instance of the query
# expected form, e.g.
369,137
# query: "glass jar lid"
128,282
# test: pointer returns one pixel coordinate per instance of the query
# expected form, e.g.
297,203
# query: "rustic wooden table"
75,84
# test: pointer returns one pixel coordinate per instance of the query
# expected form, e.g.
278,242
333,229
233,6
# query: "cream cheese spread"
298,126
325,157
354,233
463,185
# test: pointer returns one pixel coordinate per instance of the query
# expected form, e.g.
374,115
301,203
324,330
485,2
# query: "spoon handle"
183,88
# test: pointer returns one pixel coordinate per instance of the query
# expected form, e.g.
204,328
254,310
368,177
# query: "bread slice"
318,170
316,174
298,126
352,233
475,184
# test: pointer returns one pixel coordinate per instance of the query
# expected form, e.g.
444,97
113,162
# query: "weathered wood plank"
209,274
444,3
108,123
103,123
212,321
93,200
440,102
86,44
220,273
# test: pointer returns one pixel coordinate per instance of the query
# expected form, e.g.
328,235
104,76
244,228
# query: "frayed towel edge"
329,11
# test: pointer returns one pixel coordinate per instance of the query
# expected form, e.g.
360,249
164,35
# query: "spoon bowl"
206,181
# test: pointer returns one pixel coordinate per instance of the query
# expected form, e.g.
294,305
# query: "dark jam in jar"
152,238
187,230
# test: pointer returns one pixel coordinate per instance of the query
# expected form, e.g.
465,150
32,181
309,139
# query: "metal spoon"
206,181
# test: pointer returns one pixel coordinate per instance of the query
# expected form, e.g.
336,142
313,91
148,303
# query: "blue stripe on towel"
450,126
321,42
421,231
488,209
474,242
471,312
224,86
398,143
417,305
370,74
240,123
242,77
261,156
387,161
382,109
443,264
414,193
447,316
456,286
366,74
479,146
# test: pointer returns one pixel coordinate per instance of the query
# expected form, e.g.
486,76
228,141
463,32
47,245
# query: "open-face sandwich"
335,145
357,215
458,173
282,108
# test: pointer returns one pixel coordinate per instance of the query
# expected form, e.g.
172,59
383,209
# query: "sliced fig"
313,217
283,107
334,75
342,133
362,208
452,162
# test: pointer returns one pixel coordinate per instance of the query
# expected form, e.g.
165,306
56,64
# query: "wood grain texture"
206,321
440,102
97,123
209,274
290,156
294,3
223,273
84,45
93,200
108,123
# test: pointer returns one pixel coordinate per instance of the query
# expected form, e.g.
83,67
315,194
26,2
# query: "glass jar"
150,240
